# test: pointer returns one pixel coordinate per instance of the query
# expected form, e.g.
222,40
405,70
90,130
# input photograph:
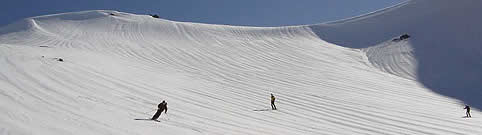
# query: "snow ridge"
397,58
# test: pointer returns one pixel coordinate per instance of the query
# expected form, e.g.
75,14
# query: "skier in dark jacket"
273,107
468,111
161,107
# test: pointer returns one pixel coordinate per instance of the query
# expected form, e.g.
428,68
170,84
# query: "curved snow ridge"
88,26
395,57
369,15
73,16
123,33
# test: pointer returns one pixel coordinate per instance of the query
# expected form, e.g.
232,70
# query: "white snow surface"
343,77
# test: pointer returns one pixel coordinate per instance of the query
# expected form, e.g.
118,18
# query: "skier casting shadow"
468,112
161,107
273,106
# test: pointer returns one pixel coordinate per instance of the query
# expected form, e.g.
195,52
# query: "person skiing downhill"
468,111
273,107
161,107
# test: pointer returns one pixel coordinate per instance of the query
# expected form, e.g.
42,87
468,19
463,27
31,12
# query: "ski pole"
167,116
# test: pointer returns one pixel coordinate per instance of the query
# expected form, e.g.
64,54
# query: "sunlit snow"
343,77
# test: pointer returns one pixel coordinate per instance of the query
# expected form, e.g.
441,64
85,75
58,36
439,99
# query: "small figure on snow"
468,111
154,15
273,107
404,36
161,107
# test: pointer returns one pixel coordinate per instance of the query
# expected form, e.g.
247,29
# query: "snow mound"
395,57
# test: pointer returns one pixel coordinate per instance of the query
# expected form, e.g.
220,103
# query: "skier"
468,111
161,107
273,107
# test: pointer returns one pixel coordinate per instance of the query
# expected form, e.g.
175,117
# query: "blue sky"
232,12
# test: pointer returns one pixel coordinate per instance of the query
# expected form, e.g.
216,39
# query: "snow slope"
446,41
217,78
395,57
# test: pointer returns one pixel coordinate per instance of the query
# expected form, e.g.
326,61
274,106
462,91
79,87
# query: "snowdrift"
343,77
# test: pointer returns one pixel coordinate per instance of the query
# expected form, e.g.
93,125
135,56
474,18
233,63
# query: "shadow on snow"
447,45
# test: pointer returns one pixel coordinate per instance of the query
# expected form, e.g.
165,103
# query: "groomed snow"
217,79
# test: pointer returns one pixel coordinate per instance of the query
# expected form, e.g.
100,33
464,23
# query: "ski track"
215,78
